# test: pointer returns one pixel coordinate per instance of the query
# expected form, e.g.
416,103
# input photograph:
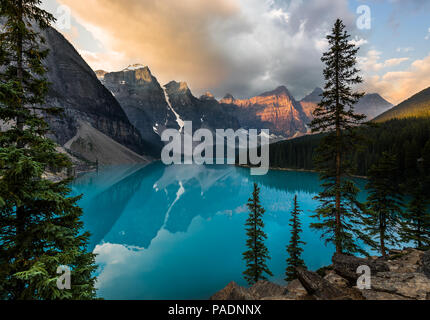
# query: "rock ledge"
404,275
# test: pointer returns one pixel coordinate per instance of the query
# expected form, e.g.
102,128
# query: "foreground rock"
414,286
425,264
346,266
323,289
233,292
404,275
262,290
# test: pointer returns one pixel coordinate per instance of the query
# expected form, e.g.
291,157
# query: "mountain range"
275,110
152,108
118,117
370,105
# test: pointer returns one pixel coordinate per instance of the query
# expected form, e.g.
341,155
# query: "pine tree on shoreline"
39,222
416,221
257,253
340,213
416,218
384,203
294,250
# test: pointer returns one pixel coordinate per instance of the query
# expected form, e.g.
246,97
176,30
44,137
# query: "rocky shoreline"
404,275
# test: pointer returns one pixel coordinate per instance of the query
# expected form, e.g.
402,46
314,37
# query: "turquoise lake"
177,232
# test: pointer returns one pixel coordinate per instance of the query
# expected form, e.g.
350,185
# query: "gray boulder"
264,289
233,292
425,263
296,291
346,266
336,279
320,288
407,285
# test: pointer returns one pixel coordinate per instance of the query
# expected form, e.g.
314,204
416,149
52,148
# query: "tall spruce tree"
257,253
384,203
294,249
339,213
39,223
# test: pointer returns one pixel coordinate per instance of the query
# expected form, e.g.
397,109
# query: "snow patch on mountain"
134,67
180,122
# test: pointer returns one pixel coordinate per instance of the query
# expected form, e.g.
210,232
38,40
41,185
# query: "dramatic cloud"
397,86
371,62
283,45
242,47
172,37
237,46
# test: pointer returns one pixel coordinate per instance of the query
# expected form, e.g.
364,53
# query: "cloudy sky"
245,47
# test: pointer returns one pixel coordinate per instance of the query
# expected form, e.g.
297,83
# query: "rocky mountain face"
100,74
205,112
310,102
153,108
371,105
76,89
275,110
143,100
405,275
416,106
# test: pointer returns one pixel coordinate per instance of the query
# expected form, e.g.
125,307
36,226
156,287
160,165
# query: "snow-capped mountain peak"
134,67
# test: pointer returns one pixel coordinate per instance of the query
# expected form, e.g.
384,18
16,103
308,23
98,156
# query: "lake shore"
296,170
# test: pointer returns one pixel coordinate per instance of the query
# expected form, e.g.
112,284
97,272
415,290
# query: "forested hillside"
408,139
416,106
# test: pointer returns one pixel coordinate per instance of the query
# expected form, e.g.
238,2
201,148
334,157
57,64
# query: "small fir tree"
294,249
257,253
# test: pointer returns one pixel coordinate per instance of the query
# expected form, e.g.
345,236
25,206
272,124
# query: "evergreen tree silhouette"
294,250
340,213
257,253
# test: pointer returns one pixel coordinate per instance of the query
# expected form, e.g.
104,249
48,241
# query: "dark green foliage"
295,154
294,249
39,224
384,203
258,254
389,137
339,212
